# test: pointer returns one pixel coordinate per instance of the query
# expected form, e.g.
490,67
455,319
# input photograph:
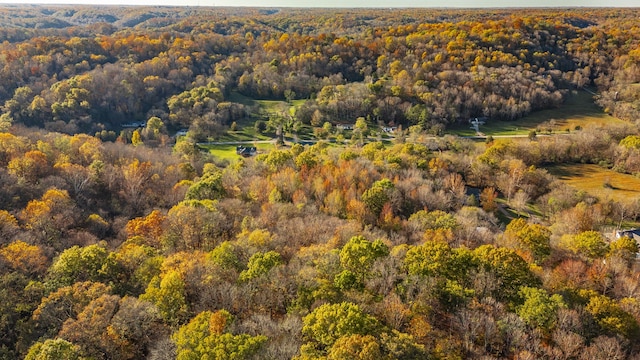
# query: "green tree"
306,159
532,237
452,294
208,187
260,264
78,264
5,122
590,244
154,127
624,247
433,258
511,270
260,126
436,219
168,294
132,266
204,337
329,322
360,129
359,254
377,195
224,256
631,142
401,346
611,317
539,310
276,158
136,139
356,347
53,349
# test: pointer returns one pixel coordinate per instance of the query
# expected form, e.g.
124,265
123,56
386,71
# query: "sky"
353,3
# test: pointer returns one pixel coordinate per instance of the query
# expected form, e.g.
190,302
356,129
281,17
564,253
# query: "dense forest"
92,69
118,241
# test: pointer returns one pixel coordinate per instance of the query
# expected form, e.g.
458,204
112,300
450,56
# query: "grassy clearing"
273,106
599,182
245,133
578,110
228,152
257,110
268,106
241,99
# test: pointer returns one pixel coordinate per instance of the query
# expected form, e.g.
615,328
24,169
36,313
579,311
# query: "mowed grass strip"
578,110
597,181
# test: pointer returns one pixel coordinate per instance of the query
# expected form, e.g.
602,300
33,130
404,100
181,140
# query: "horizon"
338,4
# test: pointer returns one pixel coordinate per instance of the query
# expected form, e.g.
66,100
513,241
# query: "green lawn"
257,110
577,110
598,181
268,106
241,99
228,152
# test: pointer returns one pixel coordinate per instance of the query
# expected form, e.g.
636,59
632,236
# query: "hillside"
369,231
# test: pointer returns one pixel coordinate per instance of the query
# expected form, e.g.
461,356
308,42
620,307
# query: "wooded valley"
367,230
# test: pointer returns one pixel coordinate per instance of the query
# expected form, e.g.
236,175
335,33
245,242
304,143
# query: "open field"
268,106
578,110
258,108
598,181
228,151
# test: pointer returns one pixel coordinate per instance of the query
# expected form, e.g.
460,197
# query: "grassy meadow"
578,111
228,151
246,131
598,181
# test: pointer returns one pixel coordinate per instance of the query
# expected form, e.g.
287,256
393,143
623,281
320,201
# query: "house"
135,124
345,126
631,234
246,151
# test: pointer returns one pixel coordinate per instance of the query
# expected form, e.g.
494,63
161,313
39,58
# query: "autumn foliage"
120,246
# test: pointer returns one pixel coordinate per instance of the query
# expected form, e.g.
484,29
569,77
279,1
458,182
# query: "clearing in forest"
578,111
228,151
259,110
597,181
